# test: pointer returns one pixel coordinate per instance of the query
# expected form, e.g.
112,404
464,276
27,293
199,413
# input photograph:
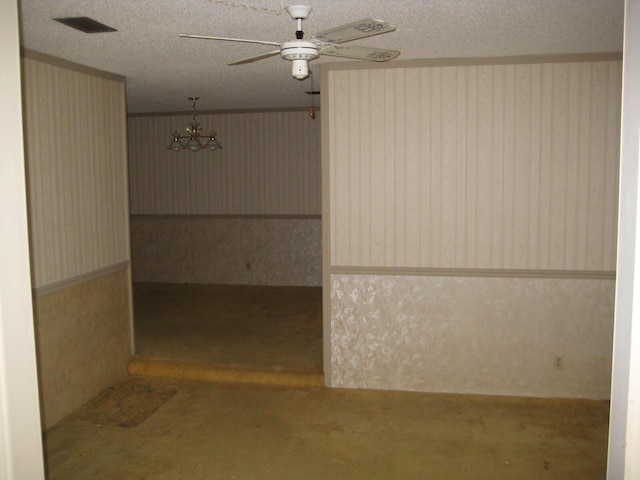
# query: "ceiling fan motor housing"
299,53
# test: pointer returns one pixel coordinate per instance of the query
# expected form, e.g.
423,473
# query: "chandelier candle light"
194,144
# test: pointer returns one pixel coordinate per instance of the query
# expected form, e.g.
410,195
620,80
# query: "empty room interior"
385,269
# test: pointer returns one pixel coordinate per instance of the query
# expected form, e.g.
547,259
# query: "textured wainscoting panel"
269,164
83,341
75,138
505,336
237,251
477,166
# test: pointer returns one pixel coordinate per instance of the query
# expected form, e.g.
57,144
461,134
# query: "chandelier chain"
250,7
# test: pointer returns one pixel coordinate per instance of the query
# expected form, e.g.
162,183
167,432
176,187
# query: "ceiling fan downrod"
299,52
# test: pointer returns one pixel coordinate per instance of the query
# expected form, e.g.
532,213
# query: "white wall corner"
20,437
624,430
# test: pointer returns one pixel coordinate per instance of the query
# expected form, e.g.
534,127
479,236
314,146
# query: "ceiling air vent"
85,24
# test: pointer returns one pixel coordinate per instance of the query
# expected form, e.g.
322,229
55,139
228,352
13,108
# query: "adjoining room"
226,245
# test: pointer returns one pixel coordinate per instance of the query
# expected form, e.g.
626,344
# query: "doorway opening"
229,329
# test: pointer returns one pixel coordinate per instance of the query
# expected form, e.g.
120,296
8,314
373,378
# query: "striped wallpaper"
511,166
75,140
269,164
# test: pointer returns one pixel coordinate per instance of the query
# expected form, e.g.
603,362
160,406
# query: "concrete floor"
222,430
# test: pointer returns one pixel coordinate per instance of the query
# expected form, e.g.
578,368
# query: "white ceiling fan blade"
244,40
256,57
360,53
353,31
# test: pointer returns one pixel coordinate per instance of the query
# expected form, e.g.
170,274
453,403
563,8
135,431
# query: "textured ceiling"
162,69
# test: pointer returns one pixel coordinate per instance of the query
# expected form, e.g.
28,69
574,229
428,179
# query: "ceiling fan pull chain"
250,7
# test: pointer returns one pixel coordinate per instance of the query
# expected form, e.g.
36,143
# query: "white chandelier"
194,144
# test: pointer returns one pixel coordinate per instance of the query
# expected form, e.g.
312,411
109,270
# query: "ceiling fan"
327,42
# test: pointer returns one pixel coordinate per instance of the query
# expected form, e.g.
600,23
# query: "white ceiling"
162,69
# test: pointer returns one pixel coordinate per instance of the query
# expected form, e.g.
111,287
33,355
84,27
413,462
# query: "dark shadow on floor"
243,327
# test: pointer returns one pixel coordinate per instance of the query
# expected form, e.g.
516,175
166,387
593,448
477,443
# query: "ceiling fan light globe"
299,69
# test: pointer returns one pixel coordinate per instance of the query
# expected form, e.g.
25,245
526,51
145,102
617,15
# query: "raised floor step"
189,370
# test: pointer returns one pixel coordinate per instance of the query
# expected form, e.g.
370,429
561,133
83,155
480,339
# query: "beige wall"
544,337
269,165
227,250
246,214
480,166
471,227
76,160
83,341
75,142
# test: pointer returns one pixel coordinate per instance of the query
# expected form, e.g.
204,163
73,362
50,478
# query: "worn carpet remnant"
126,404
